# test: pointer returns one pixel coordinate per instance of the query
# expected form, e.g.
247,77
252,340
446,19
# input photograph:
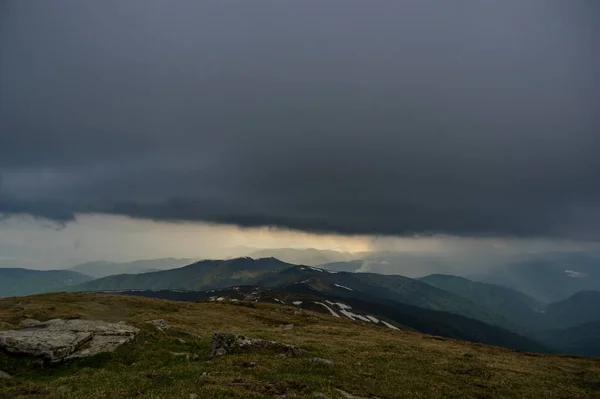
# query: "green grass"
368,360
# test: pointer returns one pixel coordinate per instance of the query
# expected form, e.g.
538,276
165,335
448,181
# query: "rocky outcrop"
4,376
223,343
58,339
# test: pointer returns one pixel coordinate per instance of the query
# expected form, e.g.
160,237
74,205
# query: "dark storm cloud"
468,117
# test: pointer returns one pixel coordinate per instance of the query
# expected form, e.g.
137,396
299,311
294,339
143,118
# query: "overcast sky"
467,118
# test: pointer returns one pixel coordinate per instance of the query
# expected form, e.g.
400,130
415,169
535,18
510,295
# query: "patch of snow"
373,319
318,270
343,306
388,325
297,303
220,298
328,308
344,287
575,274
279,300
354,316
234,300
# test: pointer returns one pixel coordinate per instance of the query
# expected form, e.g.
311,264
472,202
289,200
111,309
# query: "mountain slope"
580,308
101,269
19,282
367,361
203,275
583,339
519,308
362,309
398,289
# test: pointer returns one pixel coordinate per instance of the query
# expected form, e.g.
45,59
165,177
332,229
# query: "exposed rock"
4,376
29,322
286,326
161,324
59,339
193,396
223,343
320,395
320,360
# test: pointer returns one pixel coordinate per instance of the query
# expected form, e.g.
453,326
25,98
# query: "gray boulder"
4,376
223,343
59,339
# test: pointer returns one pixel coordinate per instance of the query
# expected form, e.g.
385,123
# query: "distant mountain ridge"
518,308
202,275
20,282
548,279
99,269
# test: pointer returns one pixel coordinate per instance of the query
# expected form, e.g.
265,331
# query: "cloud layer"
406,117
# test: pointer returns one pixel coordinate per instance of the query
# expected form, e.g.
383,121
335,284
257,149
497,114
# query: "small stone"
204,374
286,326
195,357
321,360
320,395
61,388
193,396
181,341
160,324
4,376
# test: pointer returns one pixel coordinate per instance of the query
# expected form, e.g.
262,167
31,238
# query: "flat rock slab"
223,343
59,339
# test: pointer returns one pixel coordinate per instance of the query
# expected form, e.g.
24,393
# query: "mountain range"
446,305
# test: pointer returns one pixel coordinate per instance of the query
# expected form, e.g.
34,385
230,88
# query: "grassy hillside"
17,282
368,360
417,319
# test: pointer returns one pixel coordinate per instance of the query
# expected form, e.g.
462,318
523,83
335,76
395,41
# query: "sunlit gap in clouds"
38,243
